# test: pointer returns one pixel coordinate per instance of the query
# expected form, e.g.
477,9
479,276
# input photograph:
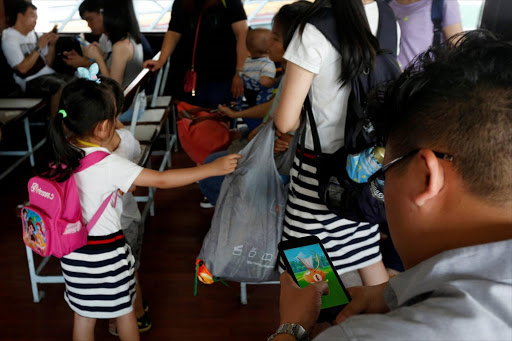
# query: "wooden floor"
172,241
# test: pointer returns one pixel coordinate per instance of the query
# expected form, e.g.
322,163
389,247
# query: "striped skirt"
99,277
350,245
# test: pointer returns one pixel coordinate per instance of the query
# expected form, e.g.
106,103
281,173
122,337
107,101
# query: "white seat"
19,103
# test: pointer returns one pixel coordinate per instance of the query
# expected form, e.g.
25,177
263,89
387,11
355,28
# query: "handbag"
190,80
247,225
200,132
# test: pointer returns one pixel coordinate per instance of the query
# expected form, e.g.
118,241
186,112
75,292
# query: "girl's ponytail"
66,156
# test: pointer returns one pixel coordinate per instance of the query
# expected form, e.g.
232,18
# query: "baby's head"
258,42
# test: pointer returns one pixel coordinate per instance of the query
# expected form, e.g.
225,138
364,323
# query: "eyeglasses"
378,178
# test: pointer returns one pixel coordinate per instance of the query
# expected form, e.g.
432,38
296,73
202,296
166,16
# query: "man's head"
455,100
258,41
26,16
92,12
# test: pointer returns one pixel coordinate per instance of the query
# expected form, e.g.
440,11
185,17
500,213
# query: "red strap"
195,42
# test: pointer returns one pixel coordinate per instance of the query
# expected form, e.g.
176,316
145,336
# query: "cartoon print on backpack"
34,231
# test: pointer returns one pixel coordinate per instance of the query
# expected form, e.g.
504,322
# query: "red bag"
190,82
191,76
203,133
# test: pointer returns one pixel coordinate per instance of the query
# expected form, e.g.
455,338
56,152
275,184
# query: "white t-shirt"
16,47
97,182
316,54
129,148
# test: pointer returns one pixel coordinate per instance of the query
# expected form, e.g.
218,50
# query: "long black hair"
85,104
358,45
120,21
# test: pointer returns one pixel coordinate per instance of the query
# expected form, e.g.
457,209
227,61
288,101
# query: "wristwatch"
38,49
298,332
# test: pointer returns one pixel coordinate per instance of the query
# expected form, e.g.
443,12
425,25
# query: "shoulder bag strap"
436,15
195,42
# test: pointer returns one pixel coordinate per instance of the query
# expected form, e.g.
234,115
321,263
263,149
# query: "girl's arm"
295,89
172,178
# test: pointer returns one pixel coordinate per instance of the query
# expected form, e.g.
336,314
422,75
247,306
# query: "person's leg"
210,94
83,328
137,303
210,187
374,274
127,327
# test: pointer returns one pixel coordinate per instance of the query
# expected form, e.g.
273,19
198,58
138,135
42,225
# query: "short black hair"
456,98
22,7
91,6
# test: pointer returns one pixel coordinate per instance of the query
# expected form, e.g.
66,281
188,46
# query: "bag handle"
195,42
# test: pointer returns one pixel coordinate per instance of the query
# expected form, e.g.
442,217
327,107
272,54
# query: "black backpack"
360,202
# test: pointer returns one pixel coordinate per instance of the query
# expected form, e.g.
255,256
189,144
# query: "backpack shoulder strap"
99,212
325,22
91,159
436,15
387,30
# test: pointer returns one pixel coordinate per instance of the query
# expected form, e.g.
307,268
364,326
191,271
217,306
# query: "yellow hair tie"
63,112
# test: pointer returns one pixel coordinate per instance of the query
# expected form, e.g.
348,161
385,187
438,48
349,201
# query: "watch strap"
298,332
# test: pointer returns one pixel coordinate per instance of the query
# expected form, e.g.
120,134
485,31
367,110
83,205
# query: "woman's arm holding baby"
172,178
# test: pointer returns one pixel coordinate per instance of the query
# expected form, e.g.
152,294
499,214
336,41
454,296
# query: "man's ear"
435,177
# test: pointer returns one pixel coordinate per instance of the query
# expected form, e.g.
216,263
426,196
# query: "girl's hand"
226,164
237,86
93,51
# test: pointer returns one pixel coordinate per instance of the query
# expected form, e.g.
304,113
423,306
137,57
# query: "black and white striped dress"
99,277
350,245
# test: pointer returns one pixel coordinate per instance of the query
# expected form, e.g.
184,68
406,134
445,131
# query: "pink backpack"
52,223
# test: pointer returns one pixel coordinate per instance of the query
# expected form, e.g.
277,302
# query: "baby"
259,71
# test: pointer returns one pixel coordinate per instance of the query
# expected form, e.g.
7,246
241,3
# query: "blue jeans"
211,186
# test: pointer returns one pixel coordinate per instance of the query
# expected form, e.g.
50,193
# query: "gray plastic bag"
248,221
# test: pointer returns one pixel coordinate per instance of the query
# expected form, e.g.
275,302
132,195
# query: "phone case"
311,264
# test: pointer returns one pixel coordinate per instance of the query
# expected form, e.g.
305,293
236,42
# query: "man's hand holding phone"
301,305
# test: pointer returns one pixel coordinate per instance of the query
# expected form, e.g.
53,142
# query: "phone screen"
309,264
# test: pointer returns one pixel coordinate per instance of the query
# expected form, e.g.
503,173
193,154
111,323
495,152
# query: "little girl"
99,277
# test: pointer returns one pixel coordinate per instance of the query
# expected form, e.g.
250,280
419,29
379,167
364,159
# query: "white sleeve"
269,69
307,50
12,52
122,173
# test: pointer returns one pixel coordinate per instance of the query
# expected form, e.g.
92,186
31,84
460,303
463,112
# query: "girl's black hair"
358,45
119,21
288,18
86,103
117,91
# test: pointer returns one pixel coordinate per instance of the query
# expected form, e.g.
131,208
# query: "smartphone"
82,40
54,29
307,262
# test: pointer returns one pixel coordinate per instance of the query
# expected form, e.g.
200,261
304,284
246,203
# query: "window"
154,15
